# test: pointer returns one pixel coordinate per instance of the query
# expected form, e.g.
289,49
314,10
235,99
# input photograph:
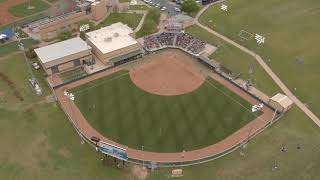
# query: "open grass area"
138,7
40,144
132,20
150,24
124,113
236,60
11,47
28,8
2,1
291,45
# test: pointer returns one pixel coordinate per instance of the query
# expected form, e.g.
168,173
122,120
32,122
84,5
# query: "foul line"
99,84
233,99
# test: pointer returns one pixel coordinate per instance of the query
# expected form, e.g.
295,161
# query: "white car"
163,8
158,5
177,9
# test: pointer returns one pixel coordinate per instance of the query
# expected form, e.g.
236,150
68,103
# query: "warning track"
225,145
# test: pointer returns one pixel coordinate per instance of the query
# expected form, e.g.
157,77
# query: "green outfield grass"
132,20
126,114
22,10
39,143
264,152
291,46
236,60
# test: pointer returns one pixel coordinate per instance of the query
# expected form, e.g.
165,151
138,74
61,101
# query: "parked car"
177,9
163,8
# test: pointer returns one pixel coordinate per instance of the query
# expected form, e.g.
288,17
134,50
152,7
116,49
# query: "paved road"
277,80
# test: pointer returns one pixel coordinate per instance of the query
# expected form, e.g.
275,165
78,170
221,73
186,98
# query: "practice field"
126,114
28,8
291,44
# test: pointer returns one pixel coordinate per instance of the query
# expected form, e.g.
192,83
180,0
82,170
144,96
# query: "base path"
238,137
275,78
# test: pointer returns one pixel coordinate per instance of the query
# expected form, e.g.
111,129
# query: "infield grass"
292,38
124,113
22,10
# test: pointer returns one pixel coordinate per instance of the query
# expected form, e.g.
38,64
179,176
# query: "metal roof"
282,99
61,49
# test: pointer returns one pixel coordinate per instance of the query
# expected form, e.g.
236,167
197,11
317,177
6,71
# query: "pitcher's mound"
168,73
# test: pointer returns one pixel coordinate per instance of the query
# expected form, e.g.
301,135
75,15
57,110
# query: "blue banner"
112,150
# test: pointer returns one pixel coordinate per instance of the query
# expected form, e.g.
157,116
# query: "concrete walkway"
276,79
141,22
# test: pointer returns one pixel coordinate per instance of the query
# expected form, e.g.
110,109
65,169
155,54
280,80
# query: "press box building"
114,44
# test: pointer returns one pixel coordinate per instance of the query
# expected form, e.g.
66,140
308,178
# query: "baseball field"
142,108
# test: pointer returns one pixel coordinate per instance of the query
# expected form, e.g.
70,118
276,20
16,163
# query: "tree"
64,35
189,6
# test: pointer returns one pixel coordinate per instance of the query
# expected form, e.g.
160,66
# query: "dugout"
280,102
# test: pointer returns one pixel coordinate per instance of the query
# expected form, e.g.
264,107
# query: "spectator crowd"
170,39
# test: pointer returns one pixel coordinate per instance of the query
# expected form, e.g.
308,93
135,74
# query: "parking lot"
168,6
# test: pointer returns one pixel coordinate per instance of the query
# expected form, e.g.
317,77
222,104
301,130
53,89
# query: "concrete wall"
105,58
99,10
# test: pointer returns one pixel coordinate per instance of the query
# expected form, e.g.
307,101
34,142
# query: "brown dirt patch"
139,172
169,73
1,93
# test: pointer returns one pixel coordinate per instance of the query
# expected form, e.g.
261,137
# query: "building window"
54,69
76,62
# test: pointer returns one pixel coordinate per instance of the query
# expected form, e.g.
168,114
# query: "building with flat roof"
65,55
114,44
281,102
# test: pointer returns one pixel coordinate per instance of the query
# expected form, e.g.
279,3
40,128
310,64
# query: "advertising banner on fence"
112,150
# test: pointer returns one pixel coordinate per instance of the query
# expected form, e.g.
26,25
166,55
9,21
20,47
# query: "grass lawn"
41,144
132,20
11,47
291,46
22,10
150,23
236,60
264,152
161,123
138,7
2,1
